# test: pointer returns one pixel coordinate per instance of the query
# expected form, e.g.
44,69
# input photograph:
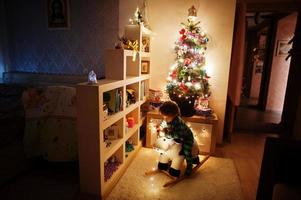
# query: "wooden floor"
246,150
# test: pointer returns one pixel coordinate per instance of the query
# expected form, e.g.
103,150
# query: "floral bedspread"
50,128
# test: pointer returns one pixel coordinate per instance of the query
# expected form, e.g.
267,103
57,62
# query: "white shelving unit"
121,73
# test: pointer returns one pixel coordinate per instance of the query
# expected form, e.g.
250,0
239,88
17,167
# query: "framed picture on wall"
283,47
144,67
58,14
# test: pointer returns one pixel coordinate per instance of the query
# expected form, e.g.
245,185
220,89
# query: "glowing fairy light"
173,67
193,65
197,86
188,84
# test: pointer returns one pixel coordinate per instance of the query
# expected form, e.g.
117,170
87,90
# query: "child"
181,133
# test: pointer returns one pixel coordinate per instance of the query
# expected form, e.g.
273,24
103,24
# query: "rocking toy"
170,159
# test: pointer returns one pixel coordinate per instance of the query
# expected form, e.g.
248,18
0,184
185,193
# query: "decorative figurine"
92,77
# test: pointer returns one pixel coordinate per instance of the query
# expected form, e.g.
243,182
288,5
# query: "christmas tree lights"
187,77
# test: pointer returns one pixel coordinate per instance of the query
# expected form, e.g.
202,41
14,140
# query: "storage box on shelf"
103,115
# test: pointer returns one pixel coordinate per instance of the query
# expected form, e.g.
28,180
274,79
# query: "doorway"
267,42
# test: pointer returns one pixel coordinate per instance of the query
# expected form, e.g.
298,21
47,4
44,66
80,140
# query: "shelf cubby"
131,144
132,66
112,166
112,137
112,102
135,115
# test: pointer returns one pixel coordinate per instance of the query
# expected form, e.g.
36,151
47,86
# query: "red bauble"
187,61
173,74
182,31
183,87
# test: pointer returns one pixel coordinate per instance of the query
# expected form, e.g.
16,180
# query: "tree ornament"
187,61
138,18
182,31
192,13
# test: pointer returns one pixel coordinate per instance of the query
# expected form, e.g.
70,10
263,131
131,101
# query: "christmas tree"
187,79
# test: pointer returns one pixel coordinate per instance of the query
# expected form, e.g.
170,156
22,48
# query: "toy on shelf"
145,44
118,100
105,111
129,146
130,97
131,122
107,142
111,165
137,18
125,43
112,132
92,79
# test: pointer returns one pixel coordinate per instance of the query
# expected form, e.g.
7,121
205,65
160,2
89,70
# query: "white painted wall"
280,67
165,16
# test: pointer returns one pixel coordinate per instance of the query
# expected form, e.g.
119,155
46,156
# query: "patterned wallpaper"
2,32
35,48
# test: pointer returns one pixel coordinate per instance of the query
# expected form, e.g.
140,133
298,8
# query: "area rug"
217,179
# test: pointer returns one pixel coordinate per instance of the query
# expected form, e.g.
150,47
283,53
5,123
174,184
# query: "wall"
217,19
280,67
35,48
2,38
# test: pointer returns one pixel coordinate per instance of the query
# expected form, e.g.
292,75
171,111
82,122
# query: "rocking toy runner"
176,180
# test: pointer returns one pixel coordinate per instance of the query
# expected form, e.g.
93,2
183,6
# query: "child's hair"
170,108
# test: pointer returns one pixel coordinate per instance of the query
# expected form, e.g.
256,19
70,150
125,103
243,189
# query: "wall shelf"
92,122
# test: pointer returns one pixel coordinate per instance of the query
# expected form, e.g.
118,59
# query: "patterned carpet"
217,179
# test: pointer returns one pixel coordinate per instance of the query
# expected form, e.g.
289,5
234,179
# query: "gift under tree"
187,79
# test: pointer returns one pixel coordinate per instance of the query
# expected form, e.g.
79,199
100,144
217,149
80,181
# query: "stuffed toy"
130,96
169,154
